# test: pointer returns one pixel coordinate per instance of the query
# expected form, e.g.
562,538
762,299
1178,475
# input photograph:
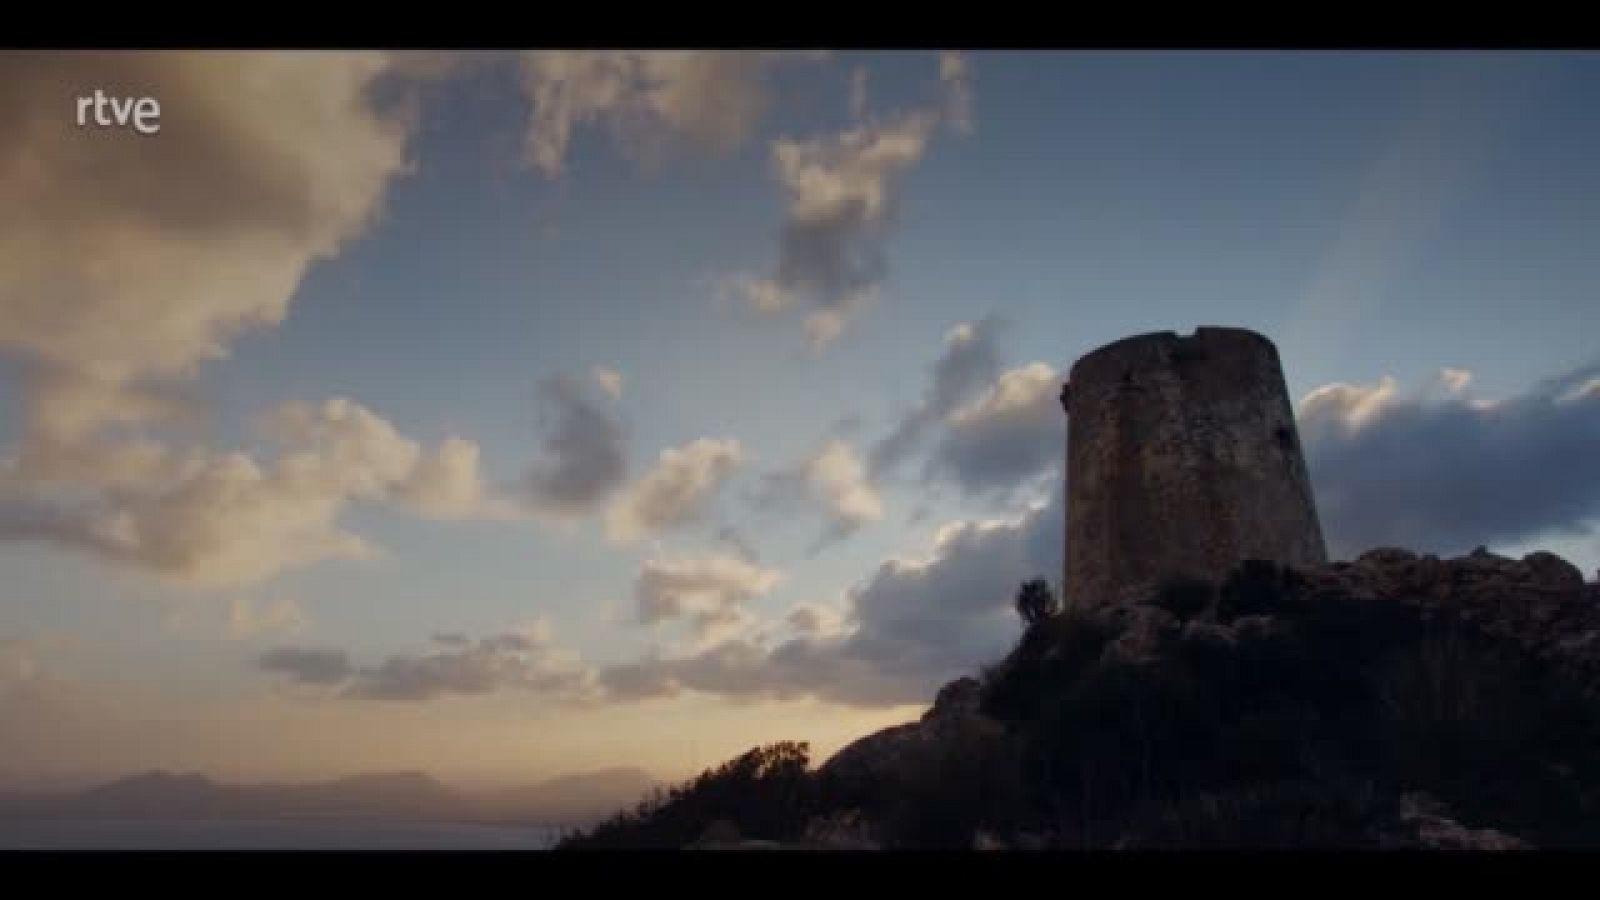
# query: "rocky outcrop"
870,764
1539,604
1330,707
1424,824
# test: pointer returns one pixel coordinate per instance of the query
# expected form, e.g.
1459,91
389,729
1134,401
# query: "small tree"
1036,602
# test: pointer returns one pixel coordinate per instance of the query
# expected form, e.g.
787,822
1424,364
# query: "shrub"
765,794
1036,602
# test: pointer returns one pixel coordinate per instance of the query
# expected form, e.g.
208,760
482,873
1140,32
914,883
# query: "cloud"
1009,437
711,593
816,620
901,632
654,104
205,520
266,162
583,455
955,74
449,484
225,522
676,491
731,537
907,628
833,479
841,203
522,660
841,197
357,452
610,381
308,665
838,481
858,93
1439,470
248,619
969,362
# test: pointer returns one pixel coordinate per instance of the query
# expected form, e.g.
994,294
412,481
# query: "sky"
504,415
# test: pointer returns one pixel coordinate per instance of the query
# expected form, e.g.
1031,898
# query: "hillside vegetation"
1394,701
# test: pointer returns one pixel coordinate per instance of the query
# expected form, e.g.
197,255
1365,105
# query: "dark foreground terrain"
1392,702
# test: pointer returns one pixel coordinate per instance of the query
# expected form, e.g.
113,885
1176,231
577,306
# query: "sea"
268,835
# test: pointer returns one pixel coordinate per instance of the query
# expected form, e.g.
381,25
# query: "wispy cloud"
969,361
652,104
526,659
841,203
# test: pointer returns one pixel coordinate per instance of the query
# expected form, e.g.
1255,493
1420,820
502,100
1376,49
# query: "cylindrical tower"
1182,459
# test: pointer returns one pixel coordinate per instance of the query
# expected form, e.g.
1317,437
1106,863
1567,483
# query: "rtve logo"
142,114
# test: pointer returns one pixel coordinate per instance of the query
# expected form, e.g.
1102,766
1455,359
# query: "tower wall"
1182,459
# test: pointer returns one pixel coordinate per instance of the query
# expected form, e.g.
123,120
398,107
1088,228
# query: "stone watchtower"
1182,459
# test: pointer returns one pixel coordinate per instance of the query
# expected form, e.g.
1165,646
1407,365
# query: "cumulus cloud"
970,361
676,491
521,660
653,103
838,481
610,381
1389,466
816,620
93,223
896,635
207,519
834,480
308,665
583,456
1009,437
359,453
1439,470
841,197
513,661
907,628
710,593
841,202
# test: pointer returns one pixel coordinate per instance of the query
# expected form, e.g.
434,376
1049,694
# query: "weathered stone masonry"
1182,459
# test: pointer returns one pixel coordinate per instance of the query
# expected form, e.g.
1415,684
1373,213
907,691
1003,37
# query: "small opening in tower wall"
1285,439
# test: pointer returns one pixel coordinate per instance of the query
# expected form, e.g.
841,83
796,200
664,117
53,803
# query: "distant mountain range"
576,799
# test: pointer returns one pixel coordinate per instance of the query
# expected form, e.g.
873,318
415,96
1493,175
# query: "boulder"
845,829
865,769
1424,824
1540,604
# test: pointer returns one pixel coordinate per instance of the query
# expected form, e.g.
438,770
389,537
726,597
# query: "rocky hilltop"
1396,701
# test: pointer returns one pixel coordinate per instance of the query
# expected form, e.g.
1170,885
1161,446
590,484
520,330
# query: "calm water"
235,834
